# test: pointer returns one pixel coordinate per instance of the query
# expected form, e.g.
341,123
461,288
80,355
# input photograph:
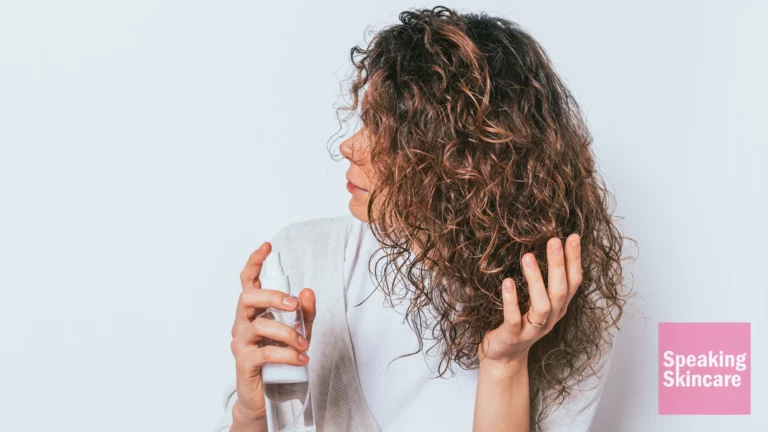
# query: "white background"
149,146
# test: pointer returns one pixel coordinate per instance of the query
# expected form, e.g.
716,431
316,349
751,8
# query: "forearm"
246,422
502,403
249,427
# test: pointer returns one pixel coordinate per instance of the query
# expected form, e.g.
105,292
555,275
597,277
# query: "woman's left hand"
509,343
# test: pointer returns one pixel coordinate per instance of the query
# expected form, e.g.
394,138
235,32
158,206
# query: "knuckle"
560,296
265,322
271,295
238,330
276,297
258,326
234,347
267,353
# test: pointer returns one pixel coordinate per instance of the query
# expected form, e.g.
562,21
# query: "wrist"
505,369
247,419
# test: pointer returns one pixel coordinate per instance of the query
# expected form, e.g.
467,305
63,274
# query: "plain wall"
147,147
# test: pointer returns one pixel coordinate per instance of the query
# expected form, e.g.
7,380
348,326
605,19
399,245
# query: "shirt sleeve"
228,400
579,407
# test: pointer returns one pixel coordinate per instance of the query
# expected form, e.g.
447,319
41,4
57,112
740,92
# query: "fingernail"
508,286
303,357
530,262
575,243
303,341
290,301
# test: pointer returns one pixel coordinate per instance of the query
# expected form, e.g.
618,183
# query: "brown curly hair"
481,155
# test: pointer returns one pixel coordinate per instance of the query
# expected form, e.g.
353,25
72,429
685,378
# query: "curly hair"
480,155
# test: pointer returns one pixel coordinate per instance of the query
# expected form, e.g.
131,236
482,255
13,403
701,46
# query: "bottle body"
286,387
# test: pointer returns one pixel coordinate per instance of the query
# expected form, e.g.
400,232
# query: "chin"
360,212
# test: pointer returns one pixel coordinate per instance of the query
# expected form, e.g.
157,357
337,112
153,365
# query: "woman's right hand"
248,330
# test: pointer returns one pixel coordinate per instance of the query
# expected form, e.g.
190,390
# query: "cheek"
370,178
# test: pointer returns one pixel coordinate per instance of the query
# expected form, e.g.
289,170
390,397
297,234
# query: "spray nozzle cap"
272,276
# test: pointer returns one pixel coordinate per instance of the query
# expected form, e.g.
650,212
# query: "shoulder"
314,238
578,409
311,230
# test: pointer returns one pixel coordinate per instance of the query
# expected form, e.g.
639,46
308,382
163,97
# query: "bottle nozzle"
272,275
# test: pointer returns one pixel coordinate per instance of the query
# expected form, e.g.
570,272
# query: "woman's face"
359,181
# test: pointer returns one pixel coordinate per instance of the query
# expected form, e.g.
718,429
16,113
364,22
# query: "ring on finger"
533,323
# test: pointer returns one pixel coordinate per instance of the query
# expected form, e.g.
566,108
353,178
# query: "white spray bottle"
286,387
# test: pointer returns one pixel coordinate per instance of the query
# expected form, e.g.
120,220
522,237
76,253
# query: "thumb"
308,309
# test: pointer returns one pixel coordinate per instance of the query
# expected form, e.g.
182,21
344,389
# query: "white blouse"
356,387
405,394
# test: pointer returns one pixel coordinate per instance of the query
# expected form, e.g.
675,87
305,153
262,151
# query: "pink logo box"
704,368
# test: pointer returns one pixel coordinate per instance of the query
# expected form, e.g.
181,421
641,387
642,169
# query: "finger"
540,307
248,278
249,362
250,274
508,333
512,316
252,302
557,281
309,309
262,328
573,265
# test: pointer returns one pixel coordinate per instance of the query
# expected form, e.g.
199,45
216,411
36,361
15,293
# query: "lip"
353,188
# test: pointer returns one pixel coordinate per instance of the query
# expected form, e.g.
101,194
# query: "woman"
476,285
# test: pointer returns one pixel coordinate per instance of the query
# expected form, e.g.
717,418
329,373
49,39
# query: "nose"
348,147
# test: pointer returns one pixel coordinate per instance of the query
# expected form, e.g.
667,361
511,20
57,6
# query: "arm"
234,418
242,421
502,403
